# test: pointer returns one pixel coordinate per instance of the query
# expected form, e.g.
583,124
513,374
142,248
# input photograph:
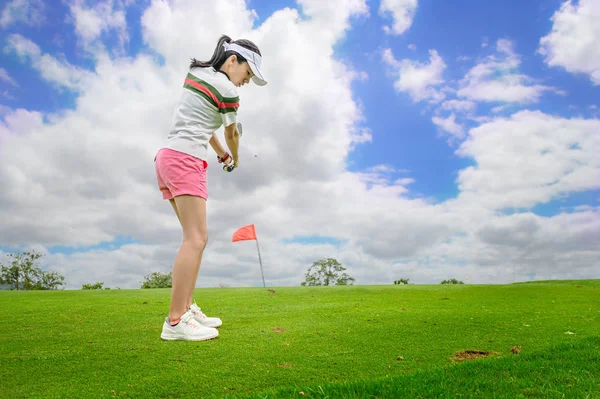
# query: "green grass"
324,341
569,370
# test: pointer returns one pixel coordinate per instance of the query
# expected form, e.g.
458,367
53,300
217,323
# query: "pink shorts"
179,173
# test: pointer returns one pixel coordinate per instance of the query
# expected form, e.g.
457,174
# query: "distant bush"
97,286
401,281
158,280
451,281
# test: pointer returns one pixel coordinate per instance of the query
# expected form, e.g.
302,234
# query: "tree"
327,271
97,286
451,281
158,280
401,281
51,280
23,274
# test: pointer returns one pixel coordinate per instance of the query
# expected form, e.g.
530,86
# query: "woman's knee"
197,241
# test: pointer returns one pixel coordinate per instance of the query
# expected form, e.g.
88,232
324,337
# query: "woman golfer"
209,99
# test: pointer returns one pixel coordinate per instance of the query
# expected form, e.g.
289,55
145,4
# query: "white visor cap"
254,60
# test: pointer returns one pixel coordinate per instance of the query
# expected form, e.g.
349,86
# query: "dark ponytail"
220,55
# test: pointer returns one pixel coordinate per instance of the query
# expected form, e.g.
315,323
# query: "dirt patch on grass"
278,330
470,354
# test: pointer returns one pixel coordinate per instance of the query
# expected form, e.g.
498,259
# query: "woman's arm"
232,137
216,145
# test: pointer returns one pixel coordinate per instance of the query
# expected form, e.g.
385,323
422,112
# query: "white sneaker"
188,329
203,319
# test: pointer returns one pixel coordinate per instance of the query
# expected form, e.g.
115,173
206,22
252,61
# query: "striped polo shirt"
208,101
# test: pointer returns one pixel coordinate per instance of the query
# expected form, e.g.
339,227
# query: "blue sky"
406,140
405,143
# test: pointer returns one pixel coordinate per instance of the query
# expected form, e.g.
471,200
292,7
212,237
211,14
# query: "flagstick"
260,260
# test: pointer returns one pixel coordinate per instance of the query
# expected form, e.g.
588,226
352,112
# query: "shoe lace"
188,319
197,311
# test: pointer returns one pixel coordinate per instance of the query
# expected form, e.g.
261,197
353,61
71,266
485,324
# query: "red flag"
244,233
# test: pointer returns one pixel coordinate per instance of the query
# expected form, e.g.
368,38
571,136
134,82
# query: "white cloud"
29,12
104,16
499,108
459,105
56,71
361,136
333,16
381,175
402,13
559,247
450,126
496,79
573,41
16,123
530,158
5,77
412,47
418,79
7,95
19,121
382,168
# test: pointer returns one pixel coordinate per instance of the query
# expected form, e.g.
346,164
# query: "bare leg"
174,205
191,295
172,201
191,212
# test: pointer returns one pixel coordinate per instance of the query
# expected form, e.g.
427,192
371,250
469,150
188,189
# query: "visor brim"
259,77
